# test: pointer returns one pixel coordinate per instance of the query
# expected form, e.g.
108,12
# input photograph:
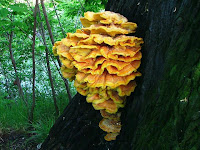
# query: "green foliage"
19,9
18,18
3,12
41,129
10,116
78,7
14,115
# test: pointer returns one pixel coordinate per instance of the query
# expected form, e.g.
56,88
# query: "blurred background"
26,117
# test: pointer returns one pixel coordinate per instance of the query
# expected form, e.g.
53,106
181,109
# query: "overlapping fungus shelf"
103,63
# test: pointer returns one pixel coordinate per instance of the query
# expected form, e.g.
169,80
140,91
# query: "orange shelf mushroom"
103,63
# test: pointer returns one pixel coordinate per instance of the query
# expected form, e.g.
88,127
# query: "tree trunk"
164,110
52,41
48,67
33,58
20,90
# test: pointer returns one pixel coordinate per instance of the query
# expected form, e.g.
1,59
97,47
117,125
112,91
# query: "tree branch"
63,32
47,22
82,6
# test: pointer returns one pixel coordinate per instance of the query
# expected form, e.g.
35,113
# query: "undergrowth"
14,116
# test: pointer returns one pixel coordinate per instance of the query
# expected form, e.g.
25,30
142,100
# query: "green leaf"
51,5
5,2
42,47
21,24
4,22
58,1
19,8
3,12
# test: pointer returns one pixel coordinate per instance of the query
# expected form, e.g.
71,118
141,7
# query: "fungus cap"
109,125
111,136
103,61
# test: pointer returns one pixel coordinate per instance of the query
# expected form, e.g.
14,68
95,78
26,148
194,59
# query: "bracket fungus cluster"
103,63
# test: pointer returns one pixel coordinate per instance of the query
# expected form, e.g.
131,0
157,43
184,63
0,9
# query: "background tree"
52,41
21,93
33,59
163,112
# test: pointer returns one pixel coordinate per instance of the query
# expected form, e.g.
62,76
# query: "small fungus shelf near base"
103,63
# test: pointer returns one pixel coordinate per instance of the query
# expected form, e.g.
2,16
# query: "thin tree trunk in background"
63,32
51,81
48,67
47,22
82,6
52,41
41,40
33,59
65,81
7,84
20,90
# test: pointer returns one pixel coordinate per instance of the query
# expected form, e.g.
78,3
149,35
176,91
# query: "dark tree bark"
164,110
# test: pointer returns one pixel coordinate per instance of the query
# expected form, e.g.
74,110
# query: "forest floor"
16,140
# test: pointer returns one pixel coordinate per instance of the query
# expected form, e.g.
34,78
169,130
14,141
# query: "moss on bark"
172,119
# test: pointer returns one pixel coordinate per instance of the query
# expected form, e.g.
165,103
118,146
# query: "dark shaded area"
16,140
164,111
78,124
